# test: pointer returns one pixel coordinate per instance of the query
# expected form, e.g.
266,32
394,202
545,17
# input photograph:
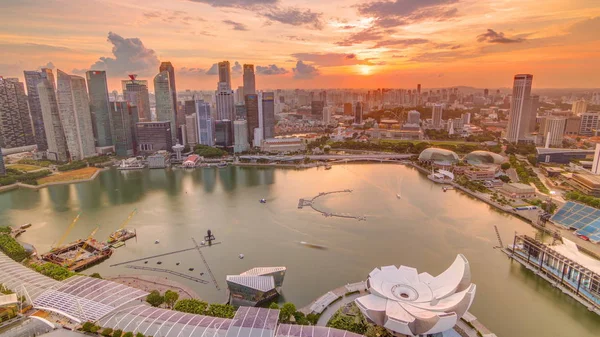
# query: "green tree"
96,275
155,299
287,310
274,306
128,334
313,318
505,166
221,310
170,298
87,326
191,306
117,333
107,332
300,318
139,334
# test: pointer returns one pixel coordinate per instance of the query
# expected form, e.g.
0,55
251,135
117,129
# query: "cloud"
295,38
587,29
213,70
401,12
295,17
130,56
172,16
236,25
245,4
400,42
236,69
366,35
270,70
192,71
305,71
331,59
491,36
48,65
395,56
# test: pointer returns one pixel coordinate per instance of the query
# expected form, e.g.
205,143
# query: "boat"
222,164
398,196
118,244
121,235
177,263
156,242
312,245
27,225
191,269
241,256
158,262
328,167
263,201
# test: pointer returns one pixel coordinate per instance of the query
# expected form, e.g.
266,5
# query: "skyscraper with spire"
136,93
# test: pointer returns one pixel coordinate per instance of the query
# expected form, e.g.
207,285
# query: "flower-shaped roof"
409,303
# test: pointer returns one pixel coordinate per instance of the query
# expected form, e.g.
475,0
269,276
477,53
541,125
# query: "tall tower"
206,124
436,115
168,67
53,128
249,80
15,124
520,108
225,102
99,105
268,114
554,130
74,109
124,120
32,79
579,107
358,113
164,102
251,102
596,163
225,73
136,93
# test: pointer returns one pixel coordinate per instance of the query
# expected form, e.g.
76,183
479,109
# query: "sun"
365,70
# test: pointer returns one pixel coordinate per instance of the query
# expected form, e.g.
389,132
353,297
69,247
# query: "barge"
78,255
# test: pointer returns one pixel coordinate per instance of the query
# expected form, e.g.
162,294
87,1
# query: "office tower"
225,103
436,115
32,79
136,93
579,107
450,126
572,126
316,109
153,137
596,98
240,110
589,123
168,67
348,110
240,136
358,113
535,104
327,111
15,124
466,118
56,143
225,74
486,92
595,163
205,124
414,117
268,114
164,102
123,130
519,117
419,89
191,127
554,131
239,95
2,168
249,80
251,103
99,106
190,107
224,133
74,110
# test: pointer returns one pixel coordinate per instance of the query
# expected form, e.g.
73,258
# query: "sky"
310,43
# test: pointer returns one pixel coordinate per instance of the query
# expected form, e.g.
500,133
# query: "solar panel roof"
584,219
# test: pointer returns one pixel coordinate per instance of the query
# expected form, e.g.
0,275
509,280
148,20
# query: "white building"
283,145
596,163
164,101
466,118
240,136
436,115
414,117
554,131
589,123
520,109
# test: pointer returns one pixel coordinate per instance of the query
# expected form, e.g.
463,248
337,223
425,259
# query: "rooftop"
543,150
262,283
569,249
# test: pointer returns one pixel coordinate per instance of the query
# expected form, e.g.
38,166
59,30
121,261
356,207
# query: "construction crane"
83,247
62,239
115,234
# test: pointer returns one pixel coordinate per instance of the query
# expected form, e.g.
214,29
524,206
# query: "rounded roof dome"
438,155
484,157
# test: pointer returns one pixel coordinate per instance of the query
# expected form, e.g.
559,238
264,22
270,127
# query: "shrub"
155,299
12,248
191,306
117,333
87,326
107,332
52,270
128,334
221,310
73,166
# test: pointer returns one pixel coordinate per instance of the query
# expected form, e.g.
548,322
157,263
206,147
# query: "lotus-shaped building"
408,303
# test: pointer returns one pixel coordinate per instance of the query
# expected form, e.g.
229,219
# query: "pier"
168,271
160,255
310,203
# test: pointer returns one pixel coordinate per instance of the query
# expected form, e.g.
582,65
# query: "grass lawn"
84,173
24,167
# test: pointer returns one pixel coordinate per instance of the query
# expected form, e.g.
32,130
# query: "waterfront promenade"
149,283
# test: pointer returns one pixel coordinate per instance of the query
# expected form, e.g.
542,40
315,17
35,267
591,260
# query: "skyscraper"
535,104
164,101
74,109
414,117
316,109
136,93
225,102
579,107
240,132
225,73
553,131
191,126
168,67
436,115
589,123
358,113
53,128
595,163
153,136
123,134
205,124
249,79
251,103
520,109
466,118
15,124
268,112
99,106
224,133
32,78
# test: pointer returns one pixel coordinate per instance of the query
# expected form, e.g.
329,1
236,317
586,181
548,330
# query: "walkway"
305,202
149,283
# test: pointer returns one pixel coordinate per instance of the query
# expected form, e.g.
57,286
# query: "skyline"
310,44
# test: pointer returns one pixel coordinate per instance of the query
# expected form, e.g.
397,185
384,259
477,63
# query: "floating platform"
121,235
76,257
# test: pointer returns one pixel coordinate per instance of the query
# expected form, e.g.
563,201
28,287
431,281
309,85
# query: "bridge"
310,203
390,157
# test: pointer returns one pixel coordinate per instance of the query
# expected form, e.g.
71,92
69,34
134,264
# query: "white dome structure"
408,303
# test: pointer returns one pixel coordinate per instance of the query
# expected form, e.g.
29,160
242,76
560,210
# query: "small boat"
118,244
158,262
203,243
263,201
222,164
191,269
145,262
398,196
328,167
312,245
156,242
201,274
241,256
27,225
177,263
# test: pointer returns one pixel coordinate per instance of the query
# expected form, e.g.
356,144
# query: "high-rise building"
466,118
56,145
348,109
535,104
191,126
553,131
153,137
225,74
596,98
74,110
124,120
358,113
240,110
99,106
225,102
595,163
224,133
572,126
168,67
2,168
239,95
164,102
249,80
268,114
486,92
136,93
589,123
190,107
519,117
240,136
436,115
327,111
32,79
205,124
579,107
15,123
252,103
414,117
316,109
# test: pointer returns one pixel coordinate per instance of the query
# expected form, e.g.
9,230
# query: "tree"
139,334
274,306
505,166
170,298
96,275
313,318
505,179
191,306
155,299
300,318
107,332
87,326
287,310
128,334
117,333
377,331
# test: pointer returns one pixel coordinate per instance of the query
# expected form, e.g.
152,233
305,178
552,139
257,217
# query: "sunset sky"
310,43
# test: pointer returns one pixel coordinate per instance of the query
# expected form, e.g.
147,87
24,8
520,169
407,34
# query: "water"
425,229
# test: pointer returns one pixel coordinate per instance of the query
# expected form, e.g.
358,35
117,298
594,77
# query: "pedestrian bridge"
392,157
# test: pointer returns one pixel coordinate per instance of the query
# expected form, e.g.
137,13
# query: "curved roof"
438,155
17,277
406,302
484,157
292,330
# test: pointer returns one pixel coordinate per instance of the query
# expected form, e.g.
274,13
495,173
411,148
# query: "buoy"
241,256
191,269
158,262
177,263
156,242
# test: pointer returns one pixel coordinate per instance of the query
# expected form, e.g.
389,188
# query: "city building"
437,155
190,107
99,107
239,95
153,137
252,103
32,79
225,74
535,104
572,126
249,80
589,123
277,145
2,167
224,133
414,117
136,93
178,149
579,107
407,303
436,115
191,127
316,109
240,132
192,161
124,119
159,160
168,67
466,118
553,131
164,101
206,134
225,102
255,286
484,158
74,110
520,109
240,110
348,109
480,174
15,124
268,114
596,162
358,113
586,183
562,156
518,191
54,133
